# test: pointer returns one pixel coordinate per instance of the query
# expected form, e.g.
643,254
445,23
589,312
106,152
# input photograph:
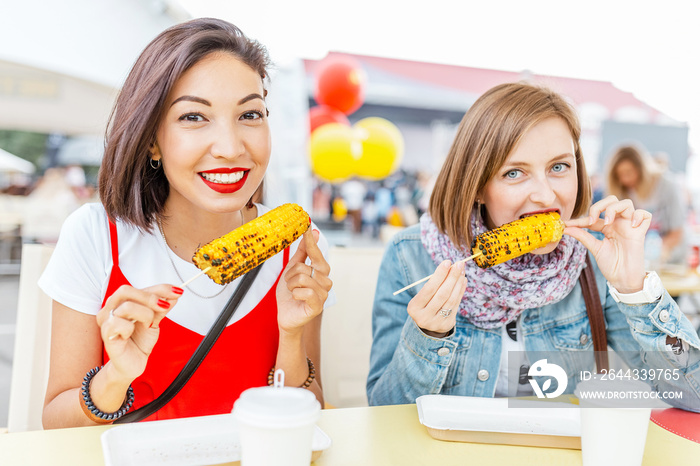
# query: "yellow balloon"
382,148
334,152
340,210
394,217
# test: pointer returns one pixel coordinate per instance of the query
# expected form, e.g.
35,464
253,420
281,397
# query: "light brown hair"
130,189
487,134
644,164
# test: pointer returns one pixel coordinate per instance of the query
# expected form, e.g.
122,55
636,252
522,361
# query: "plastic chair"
346,329
30,366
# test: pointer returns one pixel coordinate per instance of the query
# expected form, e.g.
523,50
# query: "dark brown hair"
487,134
130,189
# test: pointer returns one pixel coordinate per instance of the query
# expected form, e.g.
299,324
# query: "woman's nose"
227,142
543,194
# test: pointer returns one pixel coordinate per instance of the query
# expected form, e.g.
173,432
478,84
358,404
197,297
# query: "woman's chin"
546,249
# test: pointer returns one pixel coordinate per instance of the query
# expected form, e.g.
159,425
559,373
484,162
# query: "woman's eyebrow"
192,98
249,98
526,163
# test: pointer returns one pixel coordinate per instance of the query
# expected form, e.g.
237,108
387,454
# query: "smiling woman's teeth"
223,178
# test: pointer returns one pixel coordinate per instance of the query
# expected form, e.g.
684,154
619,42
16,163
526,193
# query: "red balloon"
323,114
340,83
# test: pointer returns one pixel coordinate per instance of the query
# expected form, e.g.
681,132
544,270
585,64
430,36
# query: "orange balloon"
340,83
334,150
323,114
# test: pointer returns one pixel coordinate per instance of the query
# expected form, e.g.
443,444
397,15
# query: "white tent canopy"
10,163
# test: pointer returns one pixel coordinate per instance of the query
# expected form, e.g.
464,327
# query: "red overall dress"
241,358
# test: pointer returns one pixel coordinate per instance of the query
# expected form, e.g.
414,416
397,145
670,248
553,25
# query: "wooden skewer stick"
426,278
195,277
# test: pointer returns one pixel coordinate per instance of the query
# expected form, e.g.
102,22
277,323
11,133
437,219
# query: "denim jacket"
405,363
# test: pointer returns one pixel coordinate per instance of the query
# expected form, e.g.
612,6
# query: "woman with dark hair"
186,150
517,154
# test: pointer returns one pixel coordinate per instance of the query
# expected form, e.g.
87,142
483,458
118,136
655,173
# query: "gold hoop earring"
155,164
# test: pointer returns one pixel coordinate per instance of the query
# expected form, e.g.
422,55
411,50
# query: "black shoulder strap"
198,356
595,316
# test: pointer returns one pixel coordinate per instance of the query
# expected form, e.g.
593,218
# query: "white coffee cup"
613,429
276,425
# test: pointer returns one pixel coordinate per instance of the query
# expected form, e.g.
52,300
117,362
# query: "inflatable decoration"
334,151
382,148
323,114
340,84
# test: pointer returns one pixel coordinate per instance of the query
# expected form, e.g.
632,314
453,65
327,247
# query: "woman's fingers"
600,206
313,298
299,276
611,208
426,293
128,306
640,217
585,222
588,240
457,294
318,262
449,309
309,283
623,208
117,327
442,295
435,306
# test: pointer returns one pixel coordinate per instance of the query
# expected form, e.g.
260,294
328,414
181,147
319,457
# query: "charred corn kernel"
517,238
251,244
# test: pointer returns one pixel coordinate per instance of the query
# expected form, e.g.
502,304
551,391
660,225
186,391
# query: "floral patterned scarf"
497,295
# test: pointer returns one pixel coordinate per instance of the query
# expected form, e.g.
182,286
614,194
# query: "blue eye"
560,167
511,174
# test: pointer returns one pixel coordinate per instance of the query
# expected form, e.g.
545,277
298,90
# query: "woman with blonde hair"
633,174
517,153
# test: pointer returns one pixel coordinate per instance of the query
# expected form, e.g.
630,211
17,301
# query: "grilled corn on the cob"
251,244
517,238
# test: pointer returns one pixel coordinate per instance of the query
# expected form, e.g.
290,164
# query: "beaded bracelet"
92,411
306,384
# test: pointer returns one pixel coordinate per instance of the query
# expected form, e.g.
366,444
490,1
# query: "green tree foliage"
28,145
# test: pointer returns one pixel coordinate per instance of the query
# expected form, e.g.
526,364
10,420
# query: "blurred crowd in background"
34,207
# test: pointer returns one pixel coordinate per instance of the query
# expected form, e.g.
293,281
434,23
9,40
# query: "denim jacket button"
483,375
583,339
664,315
443,351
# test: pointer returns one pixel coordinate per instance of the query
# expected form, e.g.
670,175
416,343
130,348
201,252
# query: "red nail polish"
317,231
164,304
178,290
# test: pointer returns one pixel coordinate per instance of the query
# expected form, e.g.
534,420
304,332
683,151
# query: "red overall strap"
116,277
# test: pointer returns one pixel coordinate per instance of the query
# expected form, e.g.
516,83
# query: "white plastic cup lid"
277,407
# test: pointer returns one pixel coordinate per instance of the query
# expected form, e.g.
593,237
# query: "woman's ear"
155,151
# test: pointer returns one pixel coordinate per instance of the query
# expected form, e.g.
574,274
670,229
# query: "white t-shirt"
78,272
517,350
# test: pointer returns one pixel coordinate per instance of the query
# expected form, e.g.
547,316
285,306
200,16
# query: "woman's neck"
184,233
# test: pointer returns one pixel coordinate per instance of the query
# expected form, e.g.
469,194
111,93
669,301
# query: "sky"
648,48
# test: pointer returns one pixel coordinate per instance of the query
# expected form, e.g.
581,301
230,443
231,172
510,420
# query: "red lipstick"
225,188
